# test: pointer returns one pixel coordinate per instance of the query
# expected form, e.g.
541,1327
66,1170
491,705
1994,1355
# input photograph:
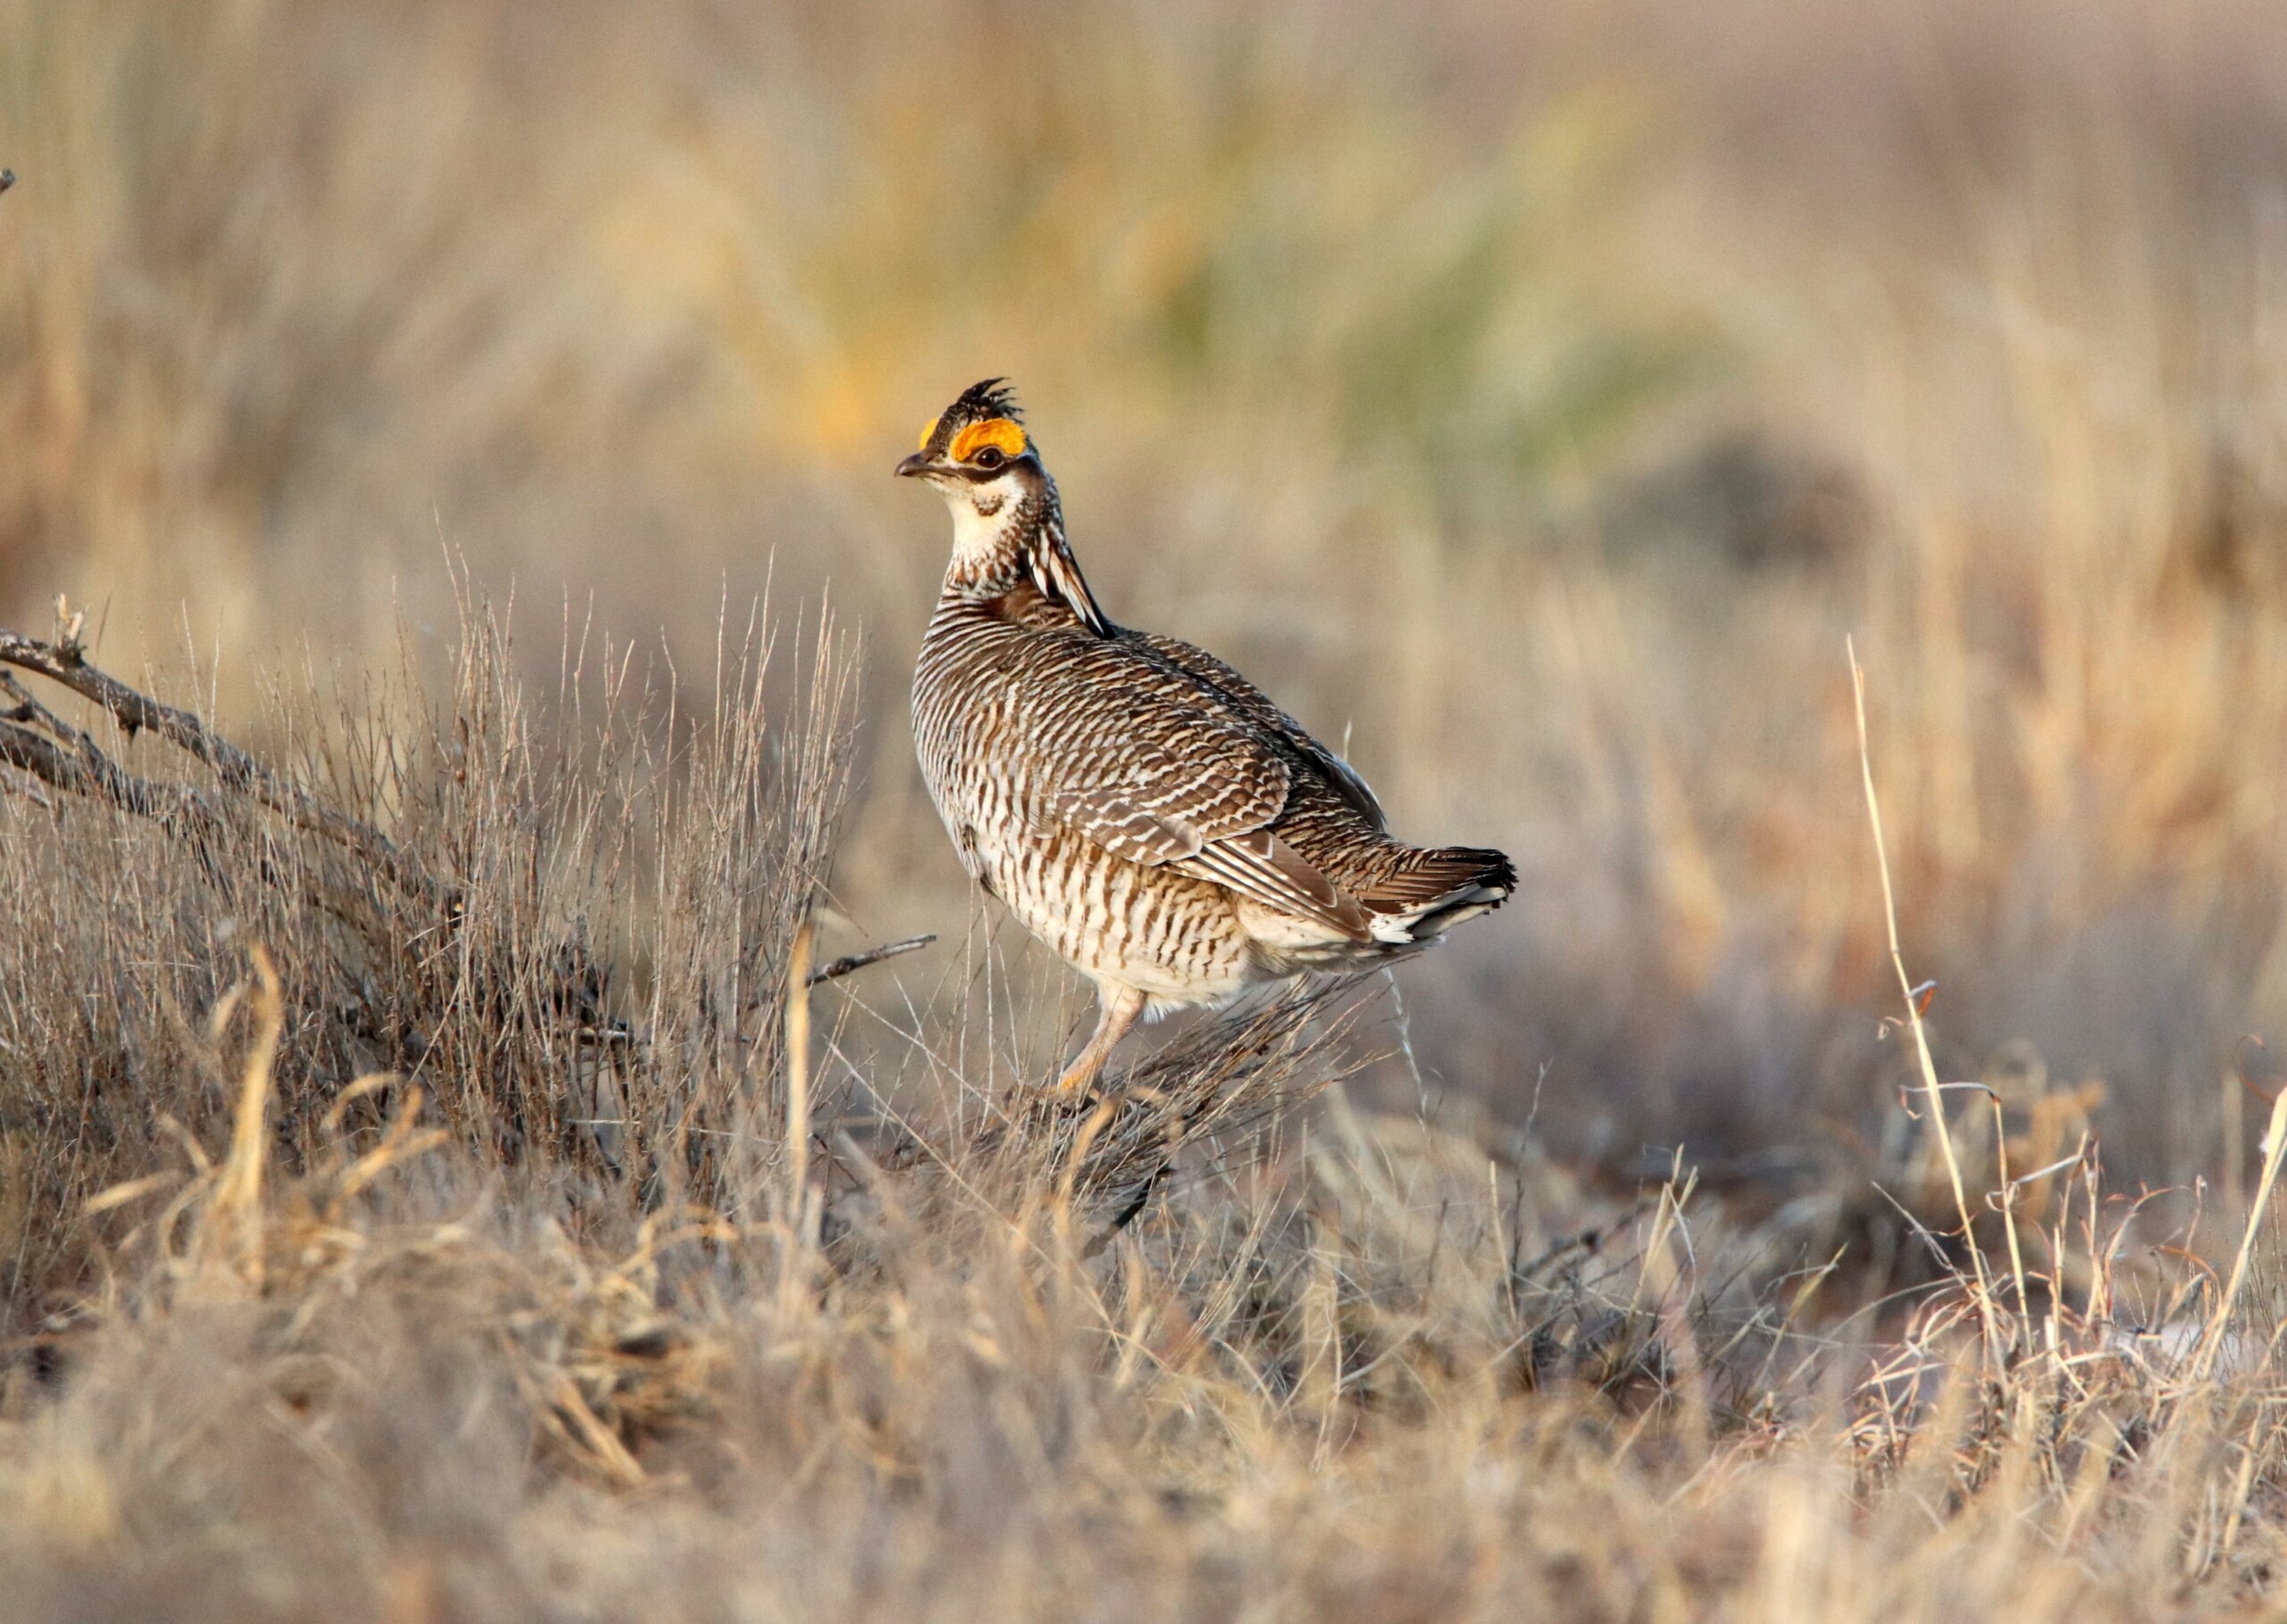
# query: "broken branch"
64,662
835,969
181,811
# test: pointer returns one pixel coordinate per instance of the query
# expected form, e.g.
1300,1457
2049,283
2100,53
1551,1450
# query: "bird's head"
1008,525
978,455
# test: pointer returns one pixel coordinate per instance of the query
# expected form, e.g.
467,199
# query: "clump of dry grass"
574,939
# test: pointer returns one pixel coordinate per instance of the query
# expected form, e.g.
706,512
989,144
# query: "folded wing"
1188,781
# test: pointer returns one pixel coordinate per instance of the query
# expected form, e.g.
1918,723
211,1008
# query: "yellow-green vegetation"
1533,402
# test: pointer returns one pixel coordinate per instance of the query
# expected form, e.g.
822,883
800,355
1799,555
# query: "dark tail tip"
1473,869
1474,876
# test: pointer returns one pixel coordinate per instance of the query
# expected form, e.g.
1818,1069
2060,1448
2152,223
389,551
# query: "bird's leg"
1118,1009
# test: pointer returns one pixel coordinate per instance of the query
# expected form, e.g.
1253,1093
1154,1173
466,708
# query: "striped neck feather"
992,559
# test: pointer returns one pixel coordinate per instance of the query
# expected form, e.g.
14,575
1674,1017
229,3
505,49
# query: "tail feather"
1435,891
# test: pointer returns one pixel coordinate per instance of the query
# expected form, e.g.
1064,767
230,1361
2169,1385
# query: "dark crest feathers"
982,401
992,397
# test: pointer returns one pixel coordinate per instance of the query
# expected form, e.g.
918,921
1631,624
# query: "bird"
1136,803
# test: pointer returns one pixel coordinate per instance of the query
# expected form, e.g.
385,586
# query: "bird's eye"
989,456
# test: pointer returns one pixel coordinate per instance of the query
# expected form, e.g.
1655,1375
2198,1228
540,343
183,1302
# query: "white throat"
978,536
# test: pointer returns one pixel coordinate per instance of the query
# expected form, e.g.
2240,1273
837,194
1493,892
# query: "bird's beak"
914,466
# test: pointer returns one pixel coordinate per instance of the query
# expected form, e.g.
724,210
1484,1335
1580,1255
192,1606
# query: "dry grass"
453,1258
1598,369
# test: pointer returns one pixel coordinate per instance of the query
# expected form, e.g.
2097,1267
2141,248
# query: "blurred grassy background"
1532,398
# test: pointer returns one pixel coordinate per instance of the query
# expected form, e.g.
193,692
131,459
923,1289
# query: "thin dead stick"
2008,1201
1913,1011
835,968
64,662
29,710
181,811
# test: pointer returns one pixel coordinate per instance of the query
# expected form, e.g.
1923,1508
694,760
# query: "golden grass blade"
798,1084
133,1190
234,1216
1988,1316
2211,1343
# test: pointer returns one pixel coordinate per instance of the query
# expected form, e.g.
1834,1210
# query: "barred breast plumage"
1136,803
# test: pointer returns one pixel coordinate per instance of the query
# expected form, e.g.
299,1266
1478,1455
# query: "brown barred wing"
1263,867
1154,804
1159,768
1260,710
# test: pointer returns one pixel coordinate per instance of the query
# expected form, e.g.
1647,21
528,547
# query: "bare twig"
64,662
834,969
183,812
29,710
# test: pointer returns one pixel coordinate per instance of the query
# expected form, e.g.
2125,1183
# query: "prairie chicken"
1138,805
